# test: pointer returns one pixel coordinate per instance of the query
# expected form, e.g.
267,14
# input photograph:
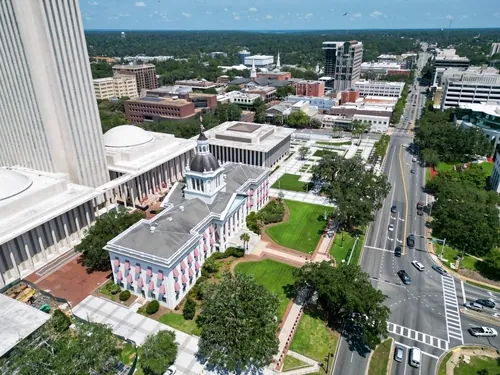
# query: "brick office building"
150,109
310,88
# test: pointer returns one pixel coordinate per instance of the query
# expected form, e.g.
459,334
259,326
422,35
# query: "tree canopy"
238,324
298,119
106,227
357,192
345,293
158,352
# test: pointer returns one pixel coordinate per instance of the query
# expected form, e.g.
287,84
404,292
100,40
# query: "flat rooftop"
247,135
19,320
364,82
160,101
489,108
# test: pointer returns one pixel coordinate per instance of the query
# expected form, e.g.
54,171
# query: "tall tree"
357,192
106,227
158,352
303,152
346,293
298,119
431,157
359,128
238,324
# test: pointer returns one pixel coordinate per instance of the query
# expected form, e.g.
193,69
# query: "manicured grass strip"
380,358
341,248
177,321
127,354
291,182
488,287
427,174
443,167
321,153
468,261
442,366
476,364
292,363
304,228
333,143
487,168
275,276
314,340
359,248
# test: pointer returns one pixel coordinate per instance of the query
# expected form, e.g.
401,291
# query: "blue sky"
288,14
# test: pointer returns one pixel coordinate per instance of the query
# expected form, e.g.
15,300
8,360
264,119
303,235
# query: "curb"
440,360
389,365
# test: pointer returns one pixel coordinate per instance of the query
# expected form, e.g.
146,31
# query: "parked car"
473,306
486,302
410,241
397,252
399,353
170,371
412,171
420,206
394,209
440,270
419,266
483,332
420,212
405,278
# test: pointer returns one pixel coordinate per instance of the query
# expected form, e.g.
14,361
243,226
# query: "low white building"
241,98
378,124
379,68
261,145
118,86
259,60
379,88
162,258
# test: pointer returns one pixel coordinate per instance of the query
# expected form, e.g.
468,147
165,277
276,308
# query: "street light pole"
442,248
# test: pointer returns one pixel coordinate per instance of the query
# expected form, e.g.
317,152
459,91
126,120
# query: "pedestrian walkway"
424,338
286,333
451,309
301,197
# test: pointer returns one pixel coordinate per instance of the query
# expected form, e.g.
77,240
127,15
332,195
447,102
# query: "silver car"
473,306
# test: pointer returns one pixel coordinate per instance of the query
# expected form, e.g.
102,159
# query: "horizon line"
301,30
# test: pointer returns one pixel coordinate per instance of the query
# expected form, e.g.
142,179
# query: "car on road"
397,252
414,160
412,171
415,357
391,227
405,278
486,302
440,270
399,353
394,209
410,241
170,371
419,266
473,306
482,332
420,212
420,205
496,315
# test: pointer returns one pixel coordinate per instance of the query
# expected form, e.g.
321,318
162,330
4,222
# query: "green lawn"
340,249
358,249
333,143
492,365
127,354
443,167
380,358
427,174
272,275
177,321
313,339
304,228
450,253
442,366
487,168
291,182
292,363
321,153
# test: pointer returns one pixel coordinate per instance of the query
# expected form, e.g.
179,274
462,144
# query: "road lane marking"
451,309
404,190
378,248
421,337
463,291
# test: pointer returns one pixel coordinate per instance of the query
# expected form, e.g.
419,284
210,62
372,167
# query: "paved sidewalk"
287,331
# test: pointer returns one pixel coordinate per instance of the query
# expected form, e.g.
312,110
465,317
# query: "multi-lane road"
426,314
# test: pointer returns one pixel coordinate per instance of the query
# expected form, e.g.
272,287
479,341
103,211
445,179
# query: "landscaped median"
380,358
343,244
291,182
470,360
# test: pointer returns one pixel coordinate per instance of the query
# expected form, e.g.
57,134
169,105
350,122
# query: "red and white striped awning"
119,275
197,265
176,272
130,279
140,282
190,258
191,272
177,287
196,252
151,286
183,265
160,276
205,247
184,279
162,288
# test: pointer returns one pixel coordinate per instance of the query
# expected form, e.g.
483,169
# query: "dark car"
412,171
486,302
410,241
399,353
440,270
397,252
394,209
405,278
420,212
420,206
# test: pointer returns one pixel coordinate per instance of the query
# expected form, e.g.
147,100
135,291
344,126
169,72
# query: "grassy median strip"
442,366
292,363
380,358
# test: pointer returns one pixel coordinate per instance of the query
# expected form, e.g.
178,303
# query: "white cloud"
355,16
464,16
122,15
187,15
268,17
93,3
140,4
236,18
86,17
376,13
252,9
308,15
428,14
449,17
225,9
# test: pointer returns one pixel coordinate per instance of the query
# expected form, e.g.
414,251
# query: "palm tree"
245,237
336,128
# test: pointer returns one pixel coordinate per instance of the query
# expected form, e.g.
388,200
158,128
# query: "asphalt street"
427,314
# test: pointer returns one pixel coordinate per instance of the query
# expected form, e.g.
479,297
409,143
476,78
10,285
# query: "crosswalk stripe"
421,337
451,312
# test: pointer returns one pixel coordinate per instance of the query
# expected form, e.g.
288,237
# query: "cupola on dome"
126,136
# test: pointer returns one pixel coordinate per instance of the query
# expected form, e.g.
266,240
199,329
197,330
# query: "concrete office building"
48,112
343,62
323,103
495,48
259,61
248,143
162,258
145,75
484,116
471,86
242,55
379,88
118,86
378,124
495,175
361,108
379,68
448,58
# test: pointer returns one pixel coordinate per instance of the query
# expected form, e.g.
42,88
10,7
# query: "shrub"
113,288
235,252
60,321
152,307
209,267
253,223
124,295
273,212
189,309
197,291
218,255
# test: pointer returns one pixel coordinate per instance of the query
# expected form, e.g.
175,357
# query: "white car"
170,371
414,160
391,227
483,332
419,266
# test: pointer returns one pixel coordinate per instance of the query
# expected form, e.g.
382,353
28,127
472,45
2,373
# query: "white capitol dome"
12,183
126,136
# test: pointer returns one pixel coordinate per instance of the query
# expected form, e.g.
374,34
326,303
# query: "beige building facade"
116,87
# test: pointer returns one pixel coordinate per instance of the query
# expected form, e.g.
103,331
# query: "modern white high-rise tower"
49,119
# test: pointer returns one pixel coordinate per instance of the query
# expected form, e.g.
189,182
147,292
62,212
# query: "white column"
53,233
40,242
15,265
27,251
